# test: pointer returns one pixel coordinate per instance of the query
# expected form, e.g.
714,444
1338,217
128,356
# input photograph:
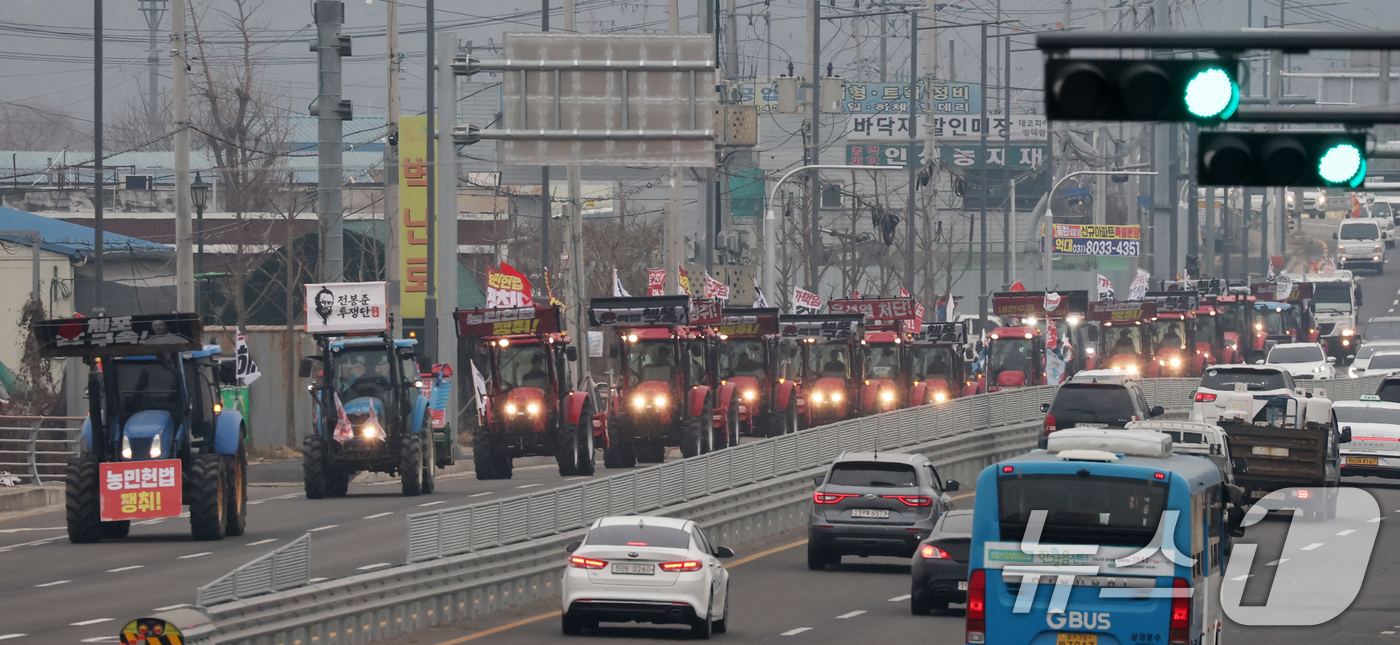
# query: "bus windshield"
1110,511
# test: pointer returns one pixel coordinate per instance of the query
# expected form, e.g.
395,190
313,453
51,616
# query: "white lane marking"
33,528
794,632
172,607
492,492
314,580
195,555
34,543
287,496
371,567
1397,302
85,623
1243,577
260,542
322,528
1276,562
572,479
1374,520
1310,547
121,569
5,637
158,520
255,502
900,598
1347,532
54,583
529,485
370,517
851,614
102,639
441,501
1387,632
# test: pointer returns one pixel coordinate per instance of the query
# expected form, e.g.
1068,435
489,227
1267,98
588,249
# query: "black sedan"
940,564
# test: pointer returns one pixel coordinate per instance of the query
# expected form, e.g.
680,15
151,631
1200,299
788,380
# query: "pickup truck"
1291,443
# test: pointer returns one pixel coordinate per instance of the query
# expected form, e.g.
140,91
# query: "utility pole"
814,254
909,158
330,112
580,290
546,196
154,10
97,153
930,144
982,192
184,226
430,304
392,212
1008,234
447,205
884,50
672,247
1163,195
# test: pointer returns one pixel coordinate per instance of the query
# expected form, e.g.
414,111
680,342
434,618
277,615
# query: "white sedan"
658,570
1374,428
1385,360
1304,361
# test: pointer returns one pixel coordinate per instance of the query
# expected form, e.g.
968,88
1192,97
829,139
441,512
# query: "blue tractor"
371,415
162,439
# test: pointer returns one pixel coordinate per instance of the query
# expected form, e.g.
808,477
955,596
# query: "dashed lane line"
6,637
261,542
130,568
33,528
794,632
94,621
1310,547
378,515
900,598
322,528
173,607
1347,532
195,555
492,492
1276,562
1243,577
53,584
441,501
529,486
851,614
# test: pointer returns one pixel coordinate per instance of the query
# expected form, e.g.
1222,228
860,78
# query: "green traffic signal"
1343,164
1212,94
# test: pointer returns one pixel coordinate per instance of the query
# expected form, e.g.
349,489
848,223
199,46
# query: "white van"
1360,244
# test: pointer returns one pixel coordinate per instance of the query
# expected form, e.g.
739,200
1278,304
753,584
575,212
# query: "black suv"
1389,389
1096,405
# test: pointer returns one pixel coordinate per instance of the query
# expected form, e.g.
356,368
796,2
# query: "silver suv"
872,503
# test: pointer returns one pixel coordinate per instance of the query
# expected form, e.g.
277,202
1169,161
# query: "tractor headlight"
939,397
155,447
1258,326
533,409
1132,369
638,402
748,395
659,401
1176,362
126,448
887,396
816,397
835,397
510,408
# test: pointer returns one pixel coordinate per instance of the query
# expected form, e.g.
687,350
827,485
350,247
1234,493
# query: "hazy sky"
47,45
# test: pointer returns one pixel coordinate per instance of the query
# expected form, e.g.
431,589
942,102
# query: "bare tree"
41,127
132,129
36,384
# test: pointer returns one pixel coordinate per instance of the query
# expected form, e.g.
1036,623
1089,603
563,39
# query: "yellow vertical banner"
413,220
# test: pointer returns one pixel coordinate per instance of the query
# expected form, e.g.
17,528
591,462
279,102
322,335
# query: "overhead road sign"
1290,41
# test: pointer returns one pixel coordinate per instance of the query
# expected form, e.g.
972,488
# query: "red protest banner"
138,490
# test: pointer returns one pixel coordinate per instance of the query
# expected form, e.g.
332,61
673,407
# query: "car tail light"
912,500
1302,493
977,607
829,498
688,565
931,552
1181,615
1049,424
580,562
1204,397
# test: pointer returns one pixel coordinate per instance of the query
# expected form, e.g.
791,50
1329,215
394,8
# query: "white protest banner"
340,307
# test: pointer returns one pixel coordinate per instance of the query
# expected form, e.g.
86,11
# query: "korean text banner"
139,490
948,98
1104,239
413,225
1023,156
137,335
341,307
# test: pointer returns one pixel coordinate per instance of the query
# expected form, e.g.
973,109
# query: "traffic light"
1300,159
1141,90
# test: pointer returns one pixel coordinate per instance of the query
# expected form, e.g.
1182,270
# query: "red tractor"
663,394
823,350
939,363
753,388
1123,344
1178,348
1223,315
531,407
884,354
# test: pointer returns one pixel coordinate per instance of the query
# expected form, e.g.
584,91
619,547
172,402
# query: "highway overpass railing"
37,449
286,567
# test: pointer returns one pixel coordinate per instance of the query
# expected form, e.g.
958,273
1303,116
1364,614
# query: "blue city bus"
1104,494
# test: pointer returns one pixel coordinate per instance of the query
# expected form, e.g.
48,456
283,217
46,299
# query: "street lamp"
1048,234
199,194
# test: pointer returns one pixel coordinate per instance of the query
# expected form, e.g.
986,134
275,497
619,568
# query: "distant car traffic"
659,570
1381,328
1220,380
1304,361
874,504
1201,439
940,565
1362,358
1360,244
1386,360
1374,449
1096,405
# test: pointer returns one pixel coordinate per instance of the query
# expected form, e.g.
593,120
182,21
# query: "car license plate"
1363,461
962,585
1272,452
634,569
1091,425
873,513
1076,639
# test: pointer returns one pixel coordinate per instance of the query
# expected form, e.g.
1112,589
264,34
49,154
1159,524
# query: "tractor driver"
658,363
745,365
884,364
1125,344
834,365
537,376
350,371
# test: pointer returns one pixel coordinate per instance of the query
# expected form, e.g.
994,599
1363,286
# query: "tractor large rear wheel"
411,465
338,481
205,487
484,465
692,437
586,453
429,477
574,445
116,530
80,480
620,452
236,491
313,466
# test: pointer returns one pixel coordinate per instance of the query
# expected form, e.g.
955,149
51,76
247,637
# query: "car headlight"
816,397
1341,247
1348,332
126,448
835,397
533,408
639,401
155,447
887,396
748,395
1318,369
1375,247
659,401
510,408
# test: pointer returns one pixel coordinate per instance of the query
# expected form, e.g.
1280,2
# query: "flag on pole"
714,289
507,288
656,282
855,294
903,293
480,382
1017,286
684,282
758,300
805,302
1105,289
246,369
618,290
1138,290
1271,270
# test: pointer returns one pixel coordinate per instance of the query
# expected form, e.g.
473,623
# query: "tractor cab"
1172,335
822,347
1277,319
884,356
1056,320
531,407
938,363
753,384
662,387
1124,344
1228,309
1015,358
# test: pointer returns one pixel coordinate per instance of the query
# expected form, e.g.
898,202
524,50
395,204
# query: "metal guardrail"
38,448
286,567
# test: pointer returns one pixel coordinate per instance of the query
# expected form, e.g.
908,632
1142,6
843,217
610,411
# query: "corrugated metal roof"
73,240
363,133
